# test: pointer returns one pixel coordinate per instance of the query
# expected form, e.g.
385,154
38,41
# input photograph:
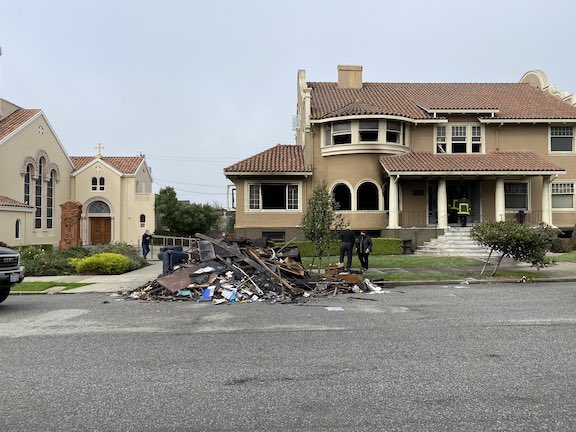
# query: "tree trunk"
486,262
497,264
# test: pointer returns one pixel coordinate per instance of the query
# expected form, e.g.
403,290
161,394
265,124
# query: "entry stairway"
455,241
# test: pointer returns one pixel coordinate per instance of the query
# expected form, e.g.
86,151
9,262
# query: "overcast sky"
199,85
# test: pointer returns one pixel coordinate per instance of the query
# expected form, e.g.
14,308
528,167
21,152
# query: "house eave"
474,173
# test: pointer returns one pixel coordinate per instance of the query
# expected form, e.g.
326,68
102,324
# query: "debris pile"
238,270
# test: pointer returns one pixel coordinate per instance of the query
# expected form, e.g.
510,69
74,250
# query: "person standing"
463,210
364,249
146,239
348,239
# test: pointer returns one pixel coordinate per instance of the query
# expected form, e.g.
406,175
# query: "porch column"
546,207
500,202
393,203
442,204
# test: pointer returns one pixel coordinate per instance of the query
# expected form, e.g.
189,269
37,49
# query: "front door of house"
100,230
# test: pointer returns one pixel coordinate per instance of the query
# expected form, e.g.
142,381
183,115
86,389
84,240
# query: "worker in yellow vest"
463,210
453,211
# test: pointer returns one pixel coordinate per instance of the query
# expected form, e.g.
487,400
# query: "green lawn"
566,257
43,286
403,261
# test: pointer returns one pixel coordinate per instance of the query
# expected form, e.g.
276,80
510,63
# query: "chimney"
349,76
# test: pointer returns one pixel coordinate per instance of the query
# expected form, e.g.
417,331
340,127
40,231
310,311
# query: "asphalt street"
499,357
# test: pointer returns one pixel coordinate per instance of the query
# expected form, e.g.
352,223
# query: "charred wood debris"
239,270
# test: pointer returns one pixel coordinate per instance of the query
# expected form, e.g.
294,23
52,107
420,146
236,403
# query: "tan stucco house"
38,176
397,155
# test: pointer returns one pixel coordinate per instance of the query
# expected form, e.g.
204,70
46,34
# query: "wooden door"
100,230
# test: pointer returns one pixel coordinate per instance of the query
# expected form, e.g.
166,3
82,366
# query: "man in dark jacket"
364,249
348,239
146,238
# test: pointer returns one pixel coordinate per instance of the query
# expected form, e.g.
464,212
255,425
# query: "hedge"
380,246
103,263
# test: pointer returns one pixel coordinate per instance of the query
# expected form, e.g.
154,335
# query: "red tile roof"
15,120
9,202
124,164
514,161
414,100
278,159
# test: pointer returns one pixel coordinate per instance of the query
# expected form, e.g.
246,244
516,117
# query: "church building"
111,195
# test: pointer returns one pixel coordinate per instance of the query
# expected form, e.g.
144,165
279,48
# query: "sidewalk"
559,272
105,283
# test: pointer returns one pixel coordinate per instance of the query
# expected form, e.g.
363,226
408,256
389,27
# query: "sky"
199,85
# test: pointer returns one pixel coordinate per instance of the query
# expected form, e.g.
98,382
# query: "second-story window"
459,138
368,130
441,139
101,183
562,139
393,131
94,184
341,133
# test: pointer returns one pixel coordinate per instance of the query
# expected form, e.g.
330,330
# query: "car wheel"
4,291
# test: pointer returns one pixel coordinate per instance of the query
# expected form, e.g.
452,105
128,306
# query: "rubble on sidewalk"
238,270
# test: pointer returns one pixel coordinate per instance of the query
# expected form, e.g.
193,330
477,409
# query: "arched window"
38,194
101,181
27,178
50,200
367,198
142,221
94,184
17,229
98,207
342,196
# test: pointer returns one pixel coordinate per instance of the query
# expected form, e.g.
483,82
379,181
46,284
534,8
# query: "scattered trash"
240,270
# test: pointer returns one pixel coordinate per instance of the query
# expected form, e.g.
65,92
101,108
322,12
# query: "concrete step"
455,242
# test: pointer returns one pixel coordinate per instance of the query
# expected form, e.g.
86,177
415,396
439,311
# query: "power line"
191,191
189,184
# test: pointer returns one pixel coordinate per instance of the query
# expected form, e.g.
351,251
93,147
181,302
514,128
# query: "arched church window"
99,207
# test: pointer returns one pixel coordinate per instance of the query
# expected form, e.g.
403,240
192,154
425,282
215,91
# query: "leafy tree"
320,219
518,241
167,207
183,218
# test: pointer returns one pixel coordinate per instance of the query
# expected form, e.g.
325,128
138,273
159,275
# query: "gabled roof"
9,202
122,164
281,158
419,101
16,120
520,162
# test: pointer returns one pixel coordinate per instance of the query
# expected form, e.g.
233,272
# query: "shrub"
103,263
380,246
131,252
387,246
39,261
562,245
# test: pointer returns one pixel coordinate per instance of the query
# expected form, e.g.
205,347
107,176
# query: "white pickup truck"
11,272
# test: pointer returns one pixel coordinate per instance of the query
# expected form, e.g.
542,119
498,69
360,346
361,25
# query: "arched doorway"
100,223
